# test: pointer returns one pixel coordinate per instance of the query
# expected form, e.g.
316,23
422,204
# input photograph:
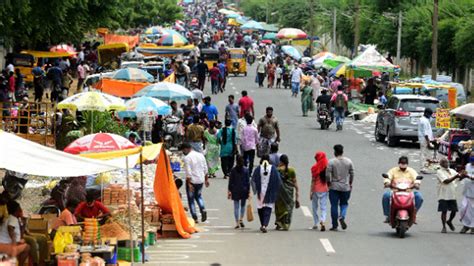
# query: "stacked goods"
91,230
114,230
88,260
116,195
68,259
168,227
121,217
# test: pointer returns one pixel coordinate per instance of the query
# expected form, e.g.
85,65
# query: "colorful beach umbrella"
291,51
165,91
291,33
270,36
143,106
252,25
100,142
155,30
92,101
133,74
172,38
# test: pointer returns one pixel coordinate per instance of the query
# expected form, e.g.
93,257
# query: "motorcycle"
171,134
402,207
324,116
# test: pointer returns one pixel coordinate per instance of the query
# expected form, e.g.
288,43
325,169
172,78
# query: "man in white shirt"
296,75
425,136
196,171
447,194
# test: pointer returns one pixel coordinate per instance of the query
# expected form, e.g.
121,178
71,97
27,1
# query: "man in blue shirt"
223,76
232,111
209,109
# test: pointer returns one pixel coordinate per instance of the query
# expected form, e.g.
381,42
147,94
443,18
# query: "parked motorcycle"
324,116
171,134
402,206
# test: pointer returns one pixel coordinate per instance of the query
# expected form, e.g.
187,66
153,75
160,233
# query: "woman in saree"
307,98
288,195
212,149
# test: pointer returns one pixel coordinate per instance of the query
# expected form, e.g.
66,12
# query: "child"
279,72
447,194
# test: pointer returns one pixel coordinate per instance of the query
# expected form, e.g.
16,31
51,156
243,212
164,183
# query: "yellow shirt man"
397,173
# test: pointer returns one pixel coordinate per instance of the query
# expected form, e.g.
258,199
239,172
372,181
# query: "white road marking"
234,88
181,251
327,245
212,210
306,211
176,245
217,234
213,218
191,241
159,262
217,226
171,257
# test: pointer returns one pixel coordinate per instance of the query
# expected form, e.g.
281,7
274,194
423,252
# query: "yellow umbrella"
233,22
92,101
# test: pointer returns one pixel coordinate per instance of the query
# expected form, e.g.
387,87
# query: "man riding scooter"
400,172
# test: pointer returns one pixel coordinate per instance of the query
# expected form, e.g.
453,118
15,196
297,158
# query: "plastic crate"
124,254
151,238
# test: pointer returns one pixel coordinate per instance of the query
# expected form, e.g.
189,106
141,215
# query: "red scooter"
402,207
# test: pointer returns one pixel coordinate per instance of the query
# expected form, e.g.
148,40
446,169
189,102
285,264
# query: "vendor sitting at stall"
11,242
91,209
66,217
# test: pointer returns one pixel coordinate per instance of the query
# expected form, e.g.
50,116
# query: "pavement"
367,239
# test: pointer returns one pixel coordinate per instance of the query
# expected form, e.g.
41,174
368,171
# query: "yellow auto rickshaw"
237,61
210,56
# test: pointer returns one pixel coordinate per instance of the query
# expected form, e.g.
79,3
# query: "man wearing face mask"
402,171
425,136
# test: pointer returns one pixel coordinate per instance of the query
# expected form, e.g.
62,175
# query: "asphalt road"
366,241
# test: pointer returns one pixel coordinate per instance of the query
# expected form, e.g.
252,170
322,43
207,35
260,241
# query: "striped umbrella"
133,74
100,142
92,101
291,33
172,38
165,91
144,105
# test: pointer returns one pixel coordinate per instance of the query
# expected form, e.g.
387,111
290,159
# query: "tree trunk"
434,45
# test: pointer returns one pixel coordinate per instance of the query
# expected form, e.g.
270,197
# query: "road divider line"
306,211
217,234
191,241
181,251
158,262
218,226
327,245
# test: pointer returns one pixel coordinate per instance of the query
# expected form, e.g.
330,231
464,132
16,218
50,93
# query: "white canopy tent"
23,156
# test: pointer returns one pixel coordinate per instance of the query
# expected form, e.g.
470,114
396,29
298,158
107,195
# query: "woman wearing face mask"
266,185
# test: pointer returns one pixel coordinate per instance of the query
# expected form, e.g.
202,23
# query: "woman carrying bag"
239,190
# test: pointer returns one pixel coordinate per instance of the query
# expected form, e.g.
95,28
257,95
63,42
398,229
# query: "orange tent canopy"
167,196
119,88
132,41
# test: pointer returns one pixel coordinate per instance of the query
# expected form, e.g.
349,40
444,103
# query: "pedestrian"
269,131
249,141
370,92
307,98
212,150
81,73
195,168
382,99
447,194
202,70
195,135
223,75
266,184
340,175
11,86
425,137
19,84
38,87
288,196
209,109
246,105
227,141
214,74
271,69
66,82
279,73
232,111
239,190
467,204
261,70
274,154
296,76
339,101
319,190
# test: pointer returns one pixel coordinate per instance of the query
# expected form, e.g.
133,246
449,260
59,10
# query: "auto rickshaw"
237,61
210,56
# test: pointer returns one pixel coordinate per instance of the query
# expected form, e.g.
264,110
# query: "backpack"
340,102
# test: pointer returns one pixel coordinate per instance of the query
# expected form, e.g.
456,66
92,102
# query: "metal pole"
434,44
399,36
142,207
129,210
356,28
334,43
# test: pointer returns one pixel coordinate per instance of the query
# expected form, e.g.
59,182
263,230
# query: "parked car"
400,118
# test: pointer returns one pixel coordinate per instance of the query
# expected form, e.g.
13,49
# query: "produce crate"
124,254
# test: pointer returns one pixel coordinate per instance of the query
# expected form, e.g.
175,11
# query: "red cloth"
11,83
245,104
320,166
214,73
83,210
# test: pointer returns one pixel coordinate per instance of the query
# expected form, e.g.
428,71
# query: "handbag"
249,212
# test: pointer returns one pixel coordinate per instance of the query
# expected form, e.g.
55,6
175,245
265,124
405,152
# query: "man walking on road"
340,175
339,100
246,105
214,75
425,136
269,132
202,70
195,167
232,111
296,76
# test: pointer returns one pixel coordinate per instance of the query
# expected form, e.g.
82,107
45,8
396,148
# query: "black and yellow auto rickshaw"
237,61
210,56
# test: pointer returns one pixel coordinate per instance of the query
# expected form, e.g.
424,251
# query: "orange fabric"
132,41
452,98
120,88
167,196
